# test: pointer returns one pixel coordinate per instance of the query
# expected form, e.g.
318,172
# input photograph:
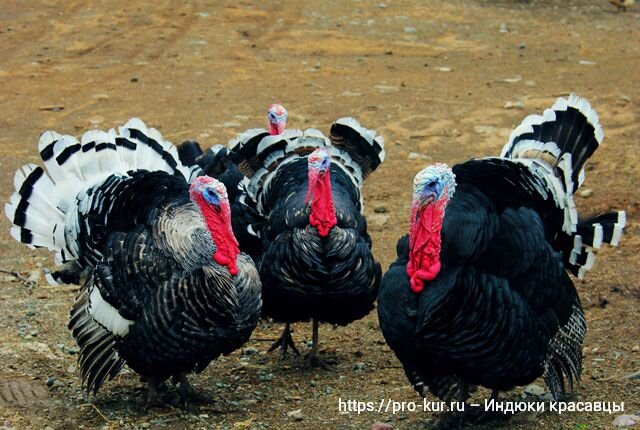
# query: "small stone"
636,348
145,425
514,105
625,98
96,120
266,377
513,80
382,5
410,30
413,156
359,366
381,426
626,420
249,351
587,62
534,390
50,381
634,375
444,69
296,415
586,193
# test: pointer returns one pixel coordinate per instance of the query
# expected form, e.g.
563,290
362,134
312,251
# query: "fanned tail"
361,150
556,145
564,136
43,209
591,233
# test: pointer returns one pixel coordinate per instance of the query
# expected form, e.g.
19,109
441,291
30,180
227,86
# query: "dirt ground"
441,80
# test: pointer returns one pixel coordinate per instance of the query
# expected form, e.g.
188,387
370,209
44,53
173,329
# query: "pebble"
381,426
444,69
586,193
514,105
50,381
634,375
626,420
296,415
359,366
534,390
513,80
96,120
249,351
636,348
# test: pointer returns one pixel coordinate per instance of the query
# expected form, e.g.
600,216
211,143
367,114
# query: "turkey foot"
285,342
154,396
188,394
313,360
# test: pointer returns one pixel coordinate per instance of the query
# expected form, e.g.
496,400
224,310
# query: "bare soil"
441,80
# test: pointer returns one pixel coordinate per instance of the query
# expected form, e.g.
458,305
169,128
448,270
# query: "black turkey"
316,260
479,293
164,286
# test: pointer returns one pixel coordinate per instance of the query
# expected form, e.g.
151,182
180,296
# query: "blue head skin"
277,116
319,160
435,183
212,191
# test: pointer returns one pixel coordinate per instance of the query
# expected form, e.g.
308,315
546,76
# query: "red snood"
218,221
424,244
323,214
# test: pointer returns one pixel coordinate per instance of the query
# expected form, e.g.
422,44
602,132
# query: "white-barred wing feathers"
166,290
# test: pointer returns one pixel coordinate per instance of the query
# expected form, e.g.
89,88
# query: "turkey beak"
427,199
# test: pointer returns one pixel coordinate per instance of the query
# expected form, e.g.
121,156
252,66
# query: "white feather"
108,316
618,228
597,236
577,249
49,278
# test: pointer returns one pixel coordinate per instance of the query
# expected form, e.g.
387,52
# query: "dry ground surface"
441,80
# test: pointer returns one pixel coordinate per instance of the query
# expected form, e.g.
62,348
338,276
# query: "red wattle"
424,244
218,220
323,214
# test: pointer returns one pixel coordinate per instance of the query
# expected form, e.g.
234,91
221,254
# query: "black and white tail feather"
43,209
555,146
358,151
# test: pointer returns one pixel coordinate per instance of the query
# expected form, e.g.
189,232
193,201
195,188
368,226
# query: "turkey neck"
323,214
218,220
425,243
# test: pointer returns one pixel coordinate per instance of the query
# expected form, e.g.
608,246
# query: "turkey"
480,292
164,286
316,260
215,162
